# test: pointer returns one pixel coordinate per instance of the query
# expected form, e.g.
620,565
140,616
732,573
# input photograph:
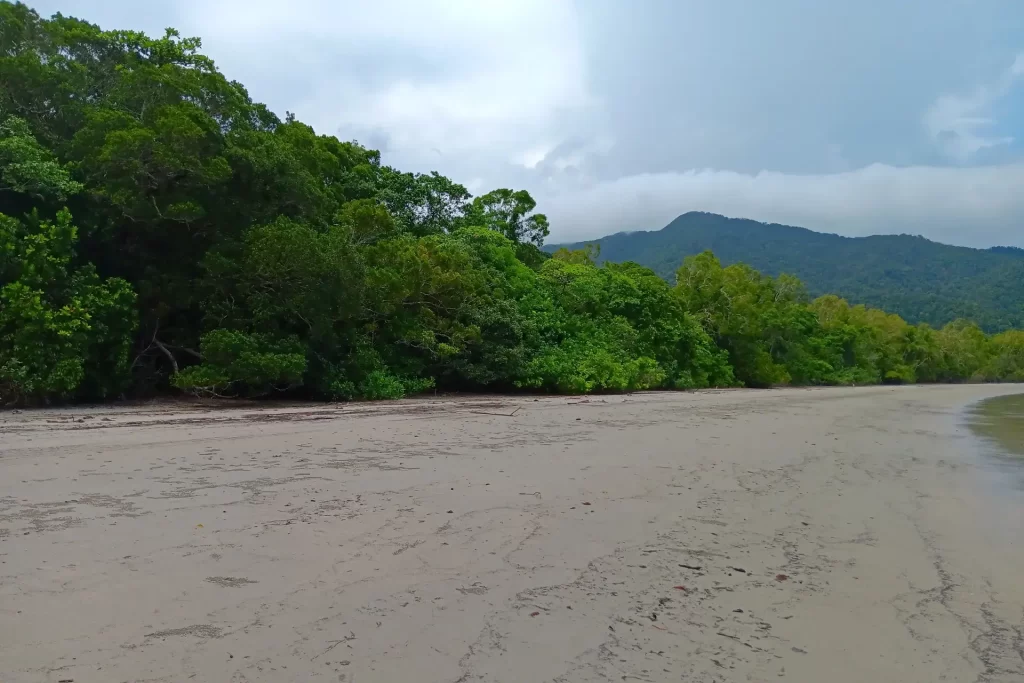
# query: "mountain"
921,280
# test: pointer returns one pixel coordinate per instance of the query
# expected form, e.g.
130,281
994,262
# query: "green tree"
963,350
509,212
220,250
1006,362
27,168
757,320
423,204
64,332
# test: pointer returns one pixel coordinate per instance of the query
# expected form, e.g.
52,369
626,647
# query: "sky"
855,117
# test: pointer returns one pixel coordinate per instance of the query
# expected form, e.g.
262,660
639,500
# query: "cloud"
472,89
486,84
815,113
966,206
959,124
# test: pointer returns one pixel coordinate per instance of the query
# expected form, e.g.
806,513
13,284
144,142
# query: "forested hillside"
921,280
161,231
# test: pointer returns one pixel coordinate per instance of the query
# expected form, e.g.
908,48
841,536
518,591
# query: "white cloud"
531,157
483,83
968,206
958,124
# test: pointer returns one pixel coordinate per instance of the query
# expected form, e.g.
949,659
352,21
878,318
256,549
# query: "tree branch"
191,352
167,352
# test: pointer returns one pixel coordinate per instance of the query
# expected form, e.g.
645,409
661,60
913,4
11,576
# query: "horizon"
797,114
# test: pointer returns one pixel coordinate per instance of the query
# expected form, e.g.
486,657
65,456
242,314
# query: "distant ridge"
921,280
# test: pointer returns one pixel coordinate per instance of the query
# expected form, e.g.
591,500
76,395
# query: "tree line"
161,231
921,280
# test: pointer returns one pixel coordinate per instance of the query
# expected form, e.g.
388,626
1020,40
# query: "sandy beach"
804,535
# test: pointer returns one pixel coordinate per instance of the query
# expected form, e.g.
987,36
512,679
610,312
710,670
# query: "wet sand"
805,535
999,424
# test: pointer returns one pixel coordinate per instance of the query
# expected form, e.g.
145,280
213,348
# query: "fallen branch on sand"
480,412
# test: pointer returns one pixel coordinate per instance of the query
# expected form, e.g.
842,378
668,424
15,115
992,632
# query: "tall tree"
510,213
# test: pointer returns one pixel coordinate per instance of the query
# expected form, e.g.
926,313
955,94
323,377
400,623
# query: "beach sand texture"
832,535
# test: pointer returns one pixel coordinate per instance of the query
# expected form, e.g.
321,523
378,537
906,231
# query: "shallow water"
999,424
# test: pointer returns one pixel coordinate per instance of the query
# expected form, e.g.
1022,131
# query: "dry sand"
804,535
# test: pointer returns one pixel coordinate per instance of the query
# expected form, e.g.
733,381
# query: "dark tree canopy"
160,231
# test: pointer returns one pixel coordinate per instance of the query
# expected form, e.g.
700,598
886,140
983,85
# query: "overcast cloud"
852,117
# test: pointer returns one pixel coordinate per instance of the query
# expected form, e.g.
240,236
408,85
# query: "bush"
64,333
237,363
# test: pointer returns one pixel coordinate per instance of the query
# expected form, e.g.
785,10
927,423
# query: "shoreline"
999,439
184,403
577,538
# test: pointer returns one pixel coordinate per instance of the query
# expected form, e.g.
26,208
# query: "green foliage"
920,280
237,363
27,167
760,321
63,331
422,204
509,212
220,250
774,336
616,328
587,255
1006,358
382,385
